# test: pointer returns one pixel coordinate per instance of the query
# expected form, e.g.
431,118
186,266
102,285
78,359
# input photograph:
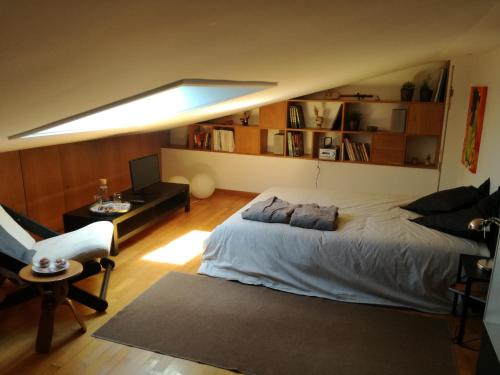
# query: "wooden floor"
77,353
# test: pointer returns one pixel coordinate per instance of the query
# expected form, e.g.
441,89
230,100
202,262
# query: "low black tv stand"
160,200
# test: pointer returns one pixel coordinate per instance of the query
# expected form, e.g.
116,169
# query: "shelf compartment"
421,148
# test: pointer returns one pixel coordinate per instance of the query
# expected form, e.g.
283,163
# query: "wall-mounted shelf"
277,135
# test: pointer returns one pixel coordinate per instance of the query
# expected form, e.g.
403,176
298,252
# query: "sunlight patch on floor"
181,250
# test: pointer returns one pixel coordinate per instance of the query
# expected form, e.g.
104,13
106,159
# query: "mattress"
376,256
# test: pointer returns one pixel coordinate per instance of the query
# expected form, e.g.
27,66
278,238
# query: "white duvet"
376,255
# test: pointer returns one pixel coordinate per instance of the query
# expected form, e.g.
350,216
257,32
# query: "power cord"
318,171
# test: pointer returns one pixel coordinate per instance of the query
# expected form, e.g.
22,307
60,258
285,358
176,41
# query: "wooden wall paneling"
12,186
107,157
43,185
151,143
78,170
129,148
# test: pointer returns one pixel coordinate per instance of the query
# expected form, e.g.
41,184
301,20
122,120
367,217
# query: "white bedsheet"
376,256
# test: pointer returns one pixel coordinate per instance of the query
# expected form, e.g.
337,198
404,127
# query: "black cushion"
457,222
449,200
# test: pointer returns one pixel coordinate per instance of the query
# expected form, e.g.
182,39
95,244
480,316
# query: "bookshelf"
413,143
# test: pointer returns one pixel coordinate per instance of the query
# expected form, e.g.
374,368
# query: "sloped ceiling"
59,58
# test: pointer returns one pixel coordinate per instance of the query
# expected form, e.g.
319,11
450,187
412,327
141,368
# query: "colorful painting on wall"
474,127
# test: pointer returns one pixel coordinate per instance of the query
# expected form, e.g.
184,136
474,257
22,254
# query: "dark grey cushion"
457,222
13,248
449,200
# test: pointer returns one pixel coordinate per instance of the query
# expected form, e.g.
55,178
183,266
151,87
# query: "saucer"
50,270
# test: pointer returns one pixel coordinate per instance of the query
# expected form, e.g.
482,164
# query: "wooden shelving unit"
408,148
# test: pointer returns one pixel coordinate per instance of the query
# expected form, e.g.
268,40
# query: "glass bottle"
103,189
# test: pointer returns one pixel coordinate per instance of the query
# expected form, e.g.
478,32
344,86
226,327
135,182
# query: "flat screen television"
144,172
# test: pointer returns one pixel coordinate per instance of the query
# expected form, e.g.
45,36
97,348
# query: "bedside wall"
257,173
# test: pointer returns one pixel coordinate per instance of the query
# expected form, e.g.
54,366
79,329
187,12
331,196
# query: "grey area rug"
256,330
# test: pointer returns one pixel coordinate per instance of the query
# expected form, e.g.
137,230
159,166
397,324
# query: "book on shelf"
337,122
295,117
366,151
223,140
354,151
295,144
201,139
440,92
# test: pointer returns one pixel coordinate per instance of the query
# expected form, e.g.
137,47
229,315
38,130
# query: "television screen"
144,172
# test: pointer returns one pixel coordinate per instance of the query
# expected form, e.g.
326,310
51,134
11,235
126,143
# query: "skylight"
154,106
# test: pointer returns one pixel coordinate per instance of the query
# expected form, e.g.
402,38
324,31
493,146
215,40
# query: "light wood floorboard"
76,353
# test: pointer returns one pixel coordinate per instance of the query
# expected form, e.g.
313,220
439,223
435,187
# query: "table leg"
114,243
463,317
78,318
457,281
46,324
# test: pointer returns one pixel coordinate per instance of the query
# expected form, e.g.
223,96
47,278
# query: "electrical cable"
318,171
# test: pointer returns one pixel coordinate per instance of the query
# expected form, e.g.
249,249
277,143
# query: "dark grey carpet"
256,330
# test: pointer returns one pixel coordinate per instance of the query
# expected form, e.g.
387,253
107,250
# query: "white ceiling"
59,58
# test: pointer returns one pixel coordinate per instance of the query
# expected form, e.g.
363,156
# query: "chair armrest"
30,225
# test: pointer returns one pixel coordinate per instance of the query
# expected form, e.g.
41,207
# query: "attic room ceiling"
61,58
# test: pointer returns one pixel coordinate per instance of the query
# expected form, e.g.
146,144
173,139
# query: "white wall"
473,71
257,173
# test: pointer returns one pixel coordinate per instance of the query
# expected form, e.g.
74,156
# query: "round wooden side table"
54,291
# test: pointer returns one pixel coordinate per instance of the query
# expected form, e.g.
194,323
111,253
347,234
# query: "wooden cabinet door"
425,118
273,116
247,140
388,149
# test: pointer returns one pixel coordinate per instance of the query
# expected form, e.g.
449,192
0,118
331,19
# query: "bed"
376,256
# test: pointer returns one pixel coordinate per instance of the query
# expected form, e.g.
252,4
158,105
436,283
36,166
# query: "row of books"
295,144
223,140
440,91
354,151
296,117
202,139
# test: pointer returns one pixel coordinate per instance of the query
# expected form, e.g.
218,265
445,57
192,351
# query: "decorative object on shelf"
178,180
372,128
407,91
428,160
484,225
327,142
354,120
202,186
414,160
244,119
318,119
425,90
398,120
279,144
337,95
474,127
